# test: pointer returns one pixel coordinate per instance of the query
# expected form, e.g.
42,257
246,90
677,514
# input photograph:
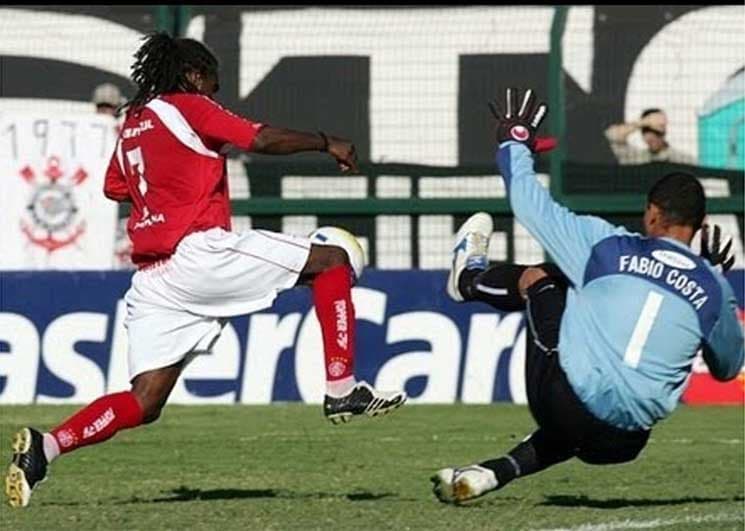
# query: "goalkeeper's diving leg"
544,304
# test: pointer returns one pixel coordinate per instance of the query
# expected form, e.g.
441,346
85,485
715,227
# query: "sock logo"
336,368
65,438
99,424
340,307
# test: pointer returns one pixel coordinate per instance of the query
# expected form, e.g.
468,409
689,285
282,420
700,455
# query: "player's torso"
176,179
630,334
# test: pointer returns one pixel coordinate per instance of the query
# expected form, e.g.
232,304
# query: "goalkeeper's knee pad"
344,239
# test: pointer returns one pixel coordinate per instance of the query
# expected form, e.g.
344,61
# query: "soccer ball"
345,240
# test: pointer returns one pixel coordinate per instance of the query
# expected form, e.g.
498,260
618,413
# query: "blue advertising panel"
62,340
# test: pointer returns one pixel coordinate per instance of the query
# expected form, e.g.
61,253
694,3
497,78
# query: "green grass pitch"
285,467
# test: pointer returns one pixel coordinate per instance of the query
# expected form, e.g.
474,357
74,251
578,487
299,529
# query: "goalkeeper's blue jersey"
639,309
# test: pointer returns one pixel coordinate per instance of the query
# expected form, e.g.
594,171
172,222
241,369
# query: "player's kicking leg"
331,269
34,451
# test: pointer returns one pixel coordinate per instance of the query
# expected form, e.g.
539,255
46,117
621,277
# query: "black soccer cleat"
28,468
363,399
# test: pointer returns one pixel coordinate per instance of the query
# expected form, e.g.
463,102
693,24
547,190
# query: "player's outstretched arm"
279,141
220,126
567,237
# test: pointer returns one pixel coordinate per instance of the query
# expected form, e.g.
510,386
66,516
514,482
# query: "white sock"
51,448
339,388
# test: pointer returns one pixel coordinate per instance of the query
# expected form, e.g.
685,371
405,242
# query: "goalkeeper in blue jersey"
613,325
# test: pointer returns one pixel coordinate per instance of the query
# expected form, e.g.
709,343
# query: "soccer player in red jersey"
193,272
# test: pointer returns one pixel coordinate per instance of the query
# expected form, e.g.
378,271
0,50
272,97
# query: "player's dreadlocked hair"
161,65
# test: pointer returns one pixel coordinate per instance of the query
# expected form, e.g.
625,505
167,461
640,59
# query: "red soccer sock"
332,296
99,421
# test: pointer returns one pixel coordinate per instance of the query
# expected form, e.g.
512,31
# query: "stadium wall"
62,340
409,86
403,94
411,94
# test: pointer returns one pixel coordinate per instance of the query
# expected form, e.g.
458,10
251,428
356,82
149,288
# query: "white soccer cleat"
469,250
457,485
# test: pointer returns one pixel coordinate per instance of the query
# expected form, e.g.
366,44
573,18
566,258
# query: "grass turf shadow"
620,503
185,494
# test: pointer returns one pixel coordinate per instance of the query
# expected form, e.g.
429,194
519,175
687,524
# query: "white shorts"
177,309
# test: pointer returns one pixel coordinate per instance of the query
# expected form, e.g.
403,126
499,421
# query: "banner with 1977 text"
54,213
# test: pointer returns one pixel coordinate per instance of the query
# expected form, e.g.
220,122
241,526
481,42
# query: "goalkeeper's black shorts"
561,415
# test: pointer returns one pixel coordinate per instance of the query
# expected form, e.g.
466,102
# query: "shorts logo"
53,219
340,307
65,438
337,368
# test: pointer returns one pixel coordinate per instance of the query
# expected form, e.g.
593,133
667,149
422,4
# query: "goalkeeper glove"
716,253
521,124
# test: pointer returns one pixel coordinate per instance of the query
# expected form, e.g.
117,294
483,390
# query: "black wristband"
325,141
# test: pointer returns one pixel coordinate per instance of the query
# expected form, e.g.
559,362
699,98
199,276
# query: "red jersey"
170,163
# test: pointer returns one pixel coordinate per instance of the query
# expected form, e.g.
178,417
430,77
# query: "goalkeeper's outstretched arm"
567,237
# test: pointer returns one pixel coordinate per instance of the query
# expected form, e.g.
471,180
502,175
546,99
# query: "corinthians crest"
51,219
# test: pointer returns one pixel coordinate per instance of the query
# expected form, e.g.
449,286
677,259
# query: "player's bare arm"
280,141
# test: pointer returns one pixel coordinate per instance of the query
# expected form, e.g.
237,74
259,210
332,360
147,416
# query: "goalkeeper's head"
676,207
166,64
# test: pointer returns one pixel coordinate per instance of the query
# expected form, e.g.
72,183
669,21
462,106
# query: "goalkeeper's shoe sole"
470,250
28,468
362,400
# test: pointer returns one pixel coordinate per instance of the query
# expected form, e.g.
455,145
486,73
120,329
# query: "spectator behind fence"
107,98
653,125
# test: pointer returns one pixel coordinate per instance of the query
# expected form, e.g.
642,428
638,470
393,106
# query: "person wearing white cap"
107,97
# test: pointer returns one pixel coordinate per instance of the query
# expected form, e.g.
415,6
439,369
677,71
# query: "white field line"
651,524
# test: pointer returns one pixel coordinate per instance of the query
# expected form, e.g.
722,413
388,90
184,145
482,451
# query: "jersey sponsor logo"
99,424
685,286
131,132
674,259
53,221
149,220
